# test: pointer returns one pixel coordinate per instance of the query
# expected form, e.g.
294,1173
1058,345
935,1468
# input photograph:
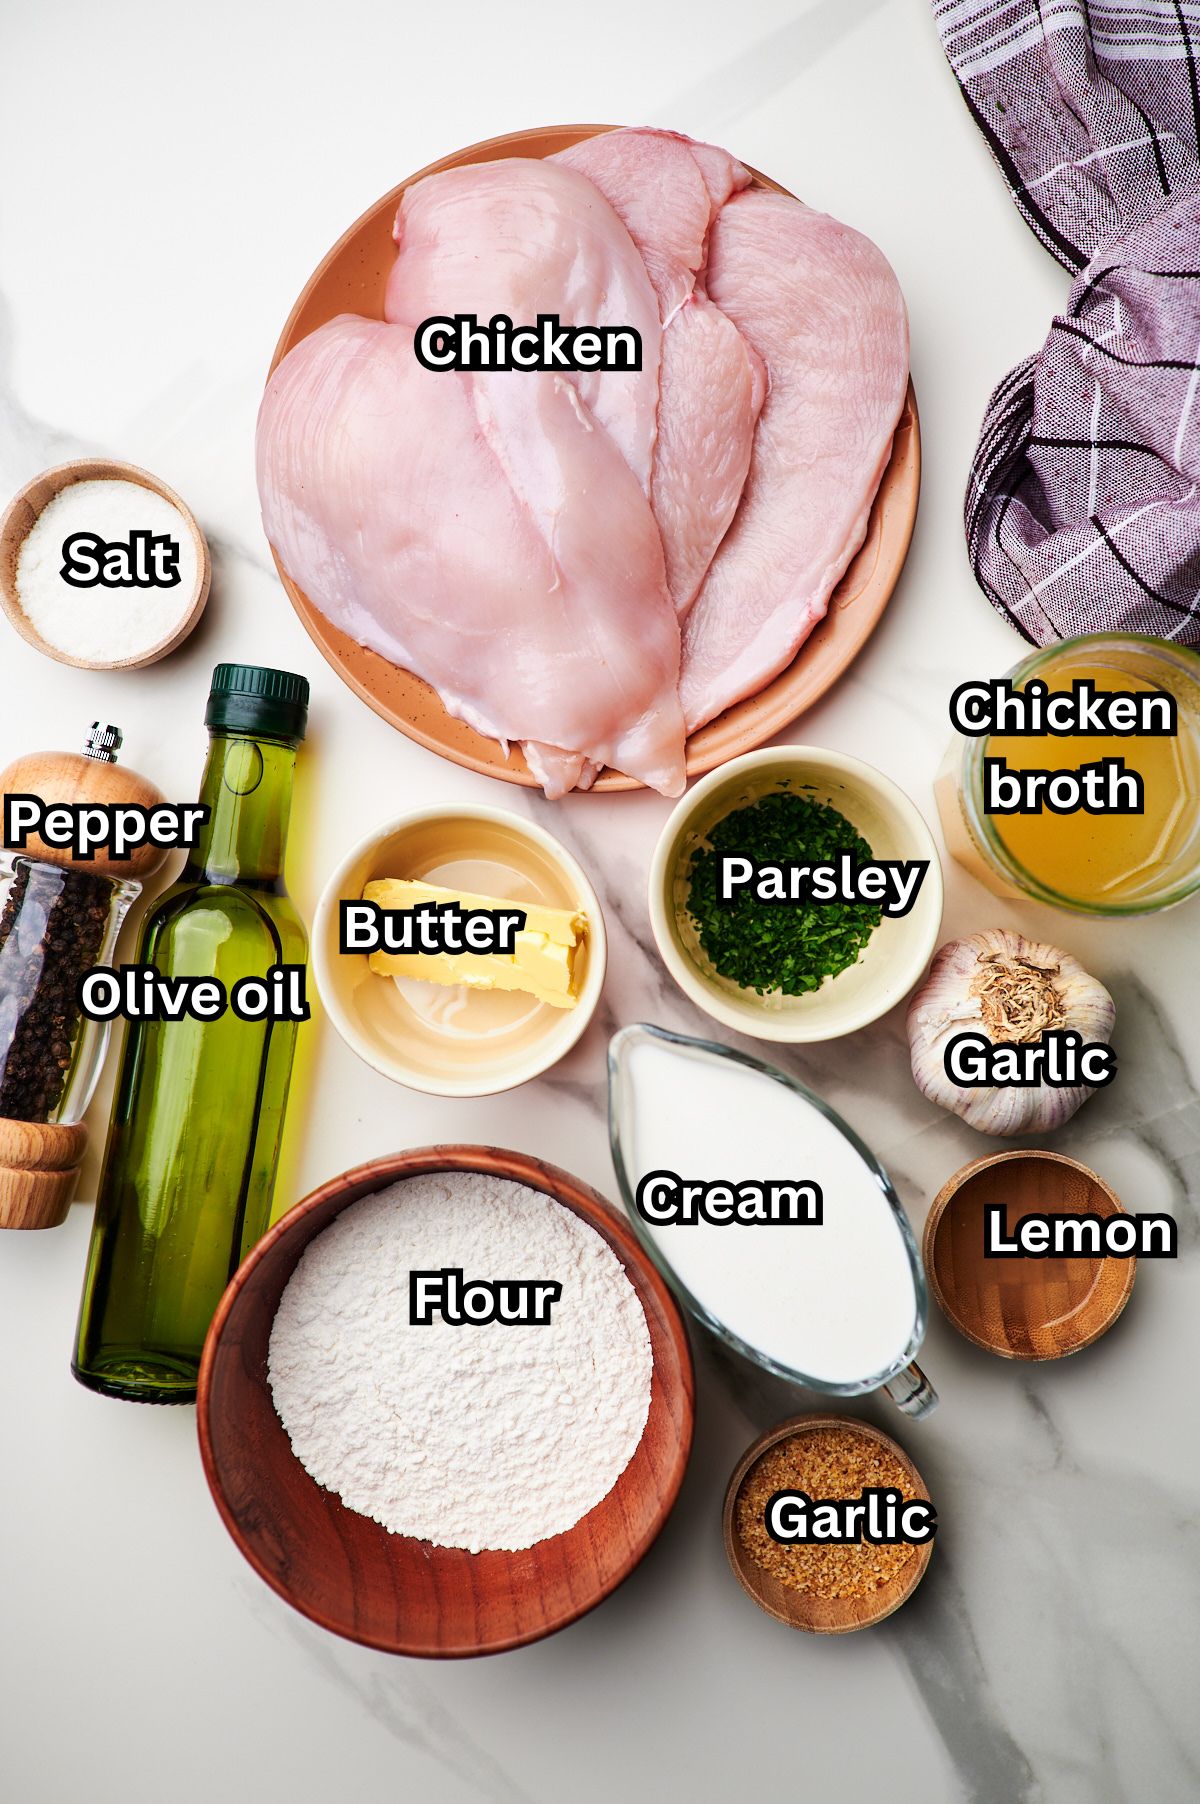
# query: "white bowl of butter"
461,1022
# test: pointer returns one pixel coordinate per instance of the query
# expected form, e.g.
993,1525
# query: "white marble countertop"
174,174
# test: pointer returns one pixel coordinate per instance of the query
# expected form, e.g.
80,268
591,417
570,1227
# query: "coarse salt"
485,1435
105,623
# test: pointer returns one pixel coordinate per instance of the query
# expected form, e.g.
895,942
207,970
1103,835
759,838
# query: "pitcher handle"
911,1391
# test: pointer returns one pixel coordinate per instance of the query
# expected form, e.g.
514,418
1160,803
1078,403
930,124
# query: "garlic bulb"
1013,990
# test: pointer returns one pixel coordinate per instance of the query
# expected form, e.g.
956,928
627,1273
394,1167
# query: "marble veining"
1049,1656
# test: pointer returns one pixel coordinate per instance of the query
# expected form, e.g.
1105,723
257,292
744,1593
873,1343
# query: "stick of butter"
544,961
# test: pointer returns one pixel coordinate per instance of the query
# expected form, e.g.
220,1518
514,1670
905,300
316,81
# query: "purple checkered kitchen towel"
1083,507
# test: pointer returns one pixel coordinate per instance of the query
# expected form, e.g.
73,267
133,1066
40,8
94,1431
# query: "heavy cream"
833,1299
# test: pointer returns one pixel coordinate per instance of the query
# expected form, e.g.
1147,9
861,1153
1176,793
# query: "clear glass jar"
56,925
978,839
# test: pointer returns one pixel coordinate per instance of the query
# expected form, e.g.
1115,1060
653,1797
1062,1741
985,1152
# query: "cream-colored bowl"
428,1036
896,953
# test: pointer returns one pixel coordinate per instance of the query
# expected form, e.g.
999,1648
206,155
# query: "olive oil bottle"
199,1107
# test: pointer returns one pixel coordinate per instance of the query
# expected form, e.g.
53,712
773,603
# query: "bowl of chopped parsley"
796,894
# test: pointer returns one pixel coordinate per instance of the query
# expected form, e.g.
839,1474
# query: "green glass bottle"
198,1114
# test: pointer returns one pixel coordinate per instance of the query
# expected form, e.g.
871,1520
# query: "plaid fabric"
1083,507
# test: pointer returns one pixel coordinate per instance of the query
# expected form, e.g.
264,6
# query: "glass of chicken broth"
1124,840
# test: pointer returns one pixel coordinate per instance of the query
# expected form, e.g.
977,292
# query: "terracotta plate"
390,1591
352,279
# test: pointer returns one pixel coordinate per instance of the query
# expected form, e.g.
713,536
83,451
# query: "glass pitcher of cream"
768,1216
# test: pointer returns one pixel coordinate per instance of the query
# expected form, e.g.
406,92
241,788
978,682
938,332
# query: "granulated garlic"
823,1463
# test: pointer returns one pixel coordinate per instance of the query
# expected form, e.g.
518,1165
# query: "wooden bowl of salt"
179,610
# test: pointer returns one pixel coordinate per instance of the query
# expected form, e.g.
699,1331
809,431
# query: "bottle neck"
247,787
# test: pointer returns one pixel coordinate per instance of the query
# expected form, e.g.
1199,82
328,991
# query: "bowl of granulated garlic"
828,1525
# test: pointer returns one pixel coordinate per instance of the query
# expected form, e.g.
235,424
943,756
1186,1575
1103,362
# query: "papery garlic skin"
949,1001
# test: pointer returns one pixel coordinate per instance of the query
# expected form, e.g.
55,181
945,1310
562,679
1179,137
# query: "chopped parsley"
786,947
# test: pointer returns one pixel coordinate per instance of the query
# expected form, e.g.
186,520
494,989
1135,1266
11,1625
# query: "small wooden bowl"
20,517
351,278
1023,1308
819,1615
392,1592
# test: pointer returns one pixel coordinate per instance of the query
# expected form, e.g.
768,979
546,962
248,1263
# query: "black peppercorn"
51,930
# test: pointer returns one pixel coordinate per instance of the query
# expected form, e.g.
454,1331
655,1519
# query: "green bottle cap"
247,698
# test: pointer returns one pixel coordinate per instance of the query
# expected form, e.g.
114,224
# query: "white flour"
480,1436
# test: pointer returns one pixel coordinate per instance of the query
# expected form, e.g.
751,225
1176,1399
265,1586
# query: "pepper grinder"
59,918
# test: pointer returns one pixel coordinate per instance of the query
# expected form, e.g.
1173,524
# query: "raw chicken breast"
438,523
667,190
522,237
712,388
822,307
666,196
563,461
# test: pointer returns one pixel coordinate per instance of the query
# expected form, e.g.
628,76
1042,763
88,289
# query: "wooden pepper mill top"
40,1158
92,775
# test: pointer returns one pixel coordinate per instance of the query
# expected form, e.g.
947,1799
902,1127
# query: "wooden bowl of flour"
390,1591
